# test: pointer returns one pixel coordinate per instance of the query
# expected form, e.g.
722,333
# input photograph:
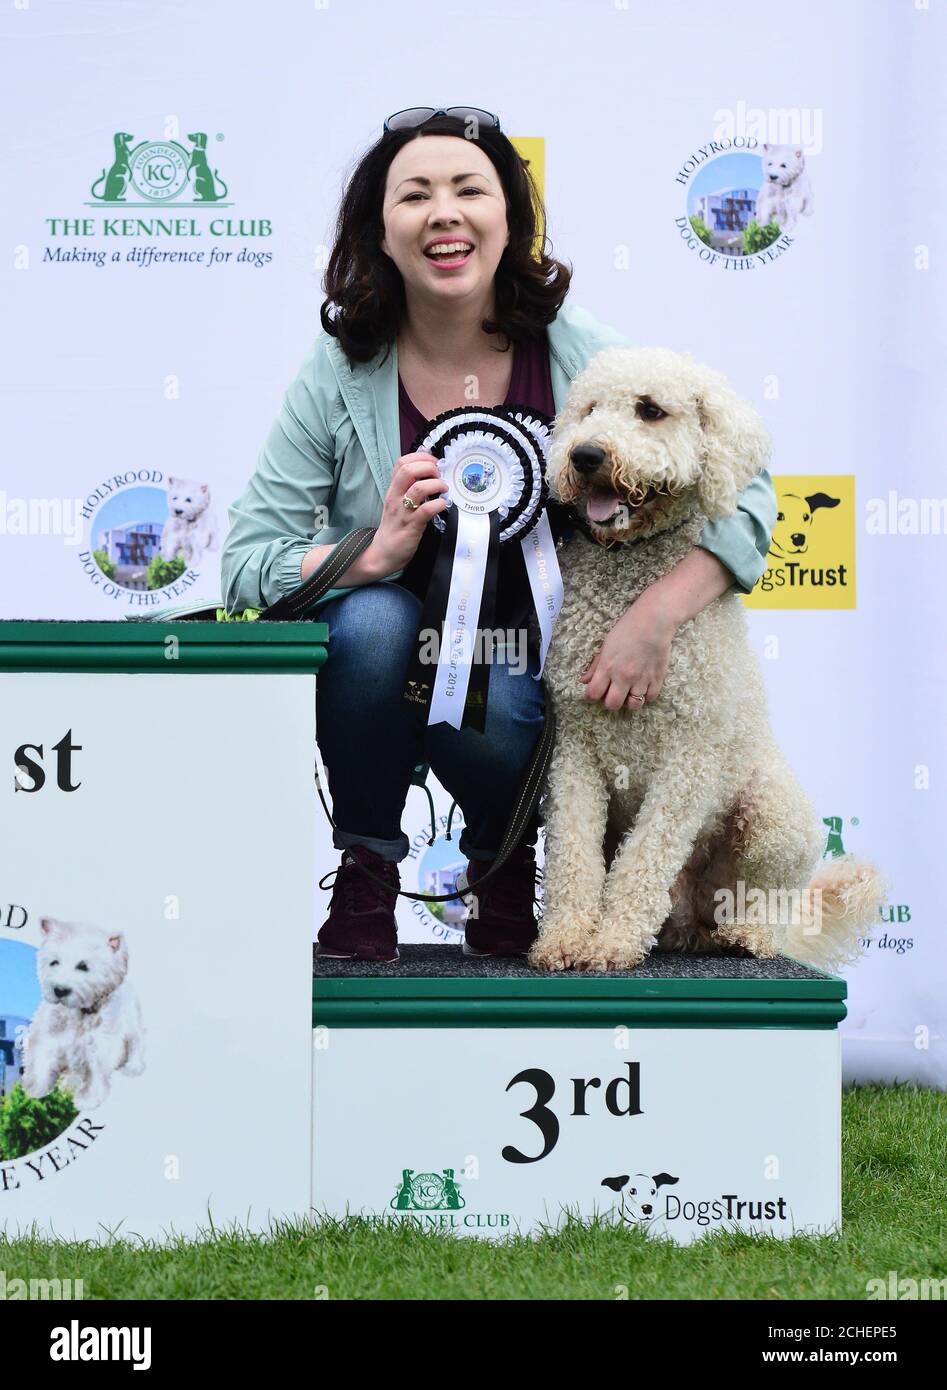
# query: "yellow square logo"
532,149
811,561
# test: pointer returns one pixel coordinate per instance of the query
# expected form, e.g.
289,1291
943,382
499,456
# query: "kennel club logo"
746,201
148,537
432,1199
168,179
811,561
159,171
70,1023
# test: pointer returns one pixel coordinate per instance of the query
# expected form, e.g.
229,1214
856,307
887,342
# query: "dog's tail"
840,905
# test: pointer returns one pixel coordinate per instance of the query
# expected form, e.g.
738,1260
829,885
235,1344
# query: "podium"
157,831
161,847
477,1096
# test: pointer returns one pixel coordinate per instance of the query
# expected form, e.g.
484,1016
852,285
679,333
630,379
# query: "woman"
414,332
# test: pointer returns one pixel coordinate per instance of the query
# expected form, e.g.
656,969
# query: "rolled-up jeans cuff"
393,851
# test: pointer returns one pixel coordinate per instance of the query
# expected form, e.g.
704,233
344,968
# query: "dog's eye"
646,409
82,965
52,963
780,517
588,409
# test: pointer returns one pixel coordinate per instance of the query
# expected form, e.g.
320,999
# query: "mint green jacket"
332,448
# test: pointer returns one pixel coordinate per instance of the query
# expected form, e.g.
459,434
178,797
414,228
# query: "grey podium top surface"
434,961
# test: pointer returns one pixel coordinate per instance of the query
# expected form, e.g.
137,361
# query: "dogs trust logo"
811,562
641,1203
746,202
158,171
147,542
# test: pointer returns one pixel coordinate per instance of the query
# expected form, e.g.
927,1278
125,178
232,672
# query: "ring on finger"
409,503
638,698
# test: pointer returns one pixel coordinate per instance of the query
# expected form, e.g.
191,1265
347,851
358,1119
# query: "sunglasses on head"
414,116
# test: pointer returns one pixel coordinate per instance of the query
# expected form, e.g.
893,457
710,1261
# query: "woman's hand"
400,529
632,660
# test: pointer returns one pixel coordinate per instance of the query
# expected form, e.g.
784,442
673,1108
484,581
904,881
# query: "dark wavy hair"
365,288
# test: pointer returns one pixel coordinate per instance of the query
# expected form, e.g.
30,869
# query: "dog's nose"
647,1209
798,538
585,458
61,991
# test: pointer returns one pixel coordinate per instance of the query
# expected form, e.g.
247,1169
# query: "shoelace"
359,893
511,893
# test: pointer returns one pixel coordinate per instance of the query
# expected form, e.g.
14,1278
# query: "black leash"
293,606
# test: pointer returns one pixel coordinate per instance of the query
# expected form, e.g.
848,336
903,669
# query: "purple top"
530,386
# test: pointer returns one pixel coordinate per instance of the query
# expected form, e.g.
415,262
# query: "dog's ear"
616,1184
735,445
116,942
48,925
659,1179
821,499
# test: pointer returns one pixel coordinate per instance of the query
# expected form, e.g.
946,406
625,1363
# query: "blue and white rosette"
494,460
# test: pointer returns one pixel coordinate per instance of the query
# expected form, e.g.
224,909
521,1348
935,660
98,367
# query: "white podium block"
690,1095
161,824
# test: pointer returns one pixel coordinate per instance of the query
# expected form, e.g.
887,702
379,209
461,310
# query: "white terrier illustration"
88,1024
786,192
190,527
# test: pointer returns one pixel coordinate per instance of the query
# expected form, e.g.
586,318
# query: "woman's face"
442,187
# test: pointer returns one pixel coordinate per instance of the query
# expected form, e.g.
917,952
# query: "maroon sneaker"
505,923
361,921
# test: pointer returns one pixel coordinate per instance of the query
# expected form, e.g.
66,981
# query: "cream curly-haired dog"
650,444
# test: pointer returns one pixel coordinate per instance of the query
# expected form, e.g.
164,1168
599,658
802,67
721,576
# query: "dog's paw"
603,958
557,948
618,949
759,941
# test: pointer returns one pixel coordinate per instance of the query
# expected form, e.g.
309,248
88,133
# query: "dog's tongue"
601,504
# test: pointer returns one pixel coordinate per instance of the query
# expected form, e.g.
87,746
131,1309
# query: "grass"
894,1218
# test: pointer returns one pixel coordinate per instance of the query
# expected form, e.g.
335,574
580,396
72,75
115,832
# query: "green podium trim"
131,647
576,1002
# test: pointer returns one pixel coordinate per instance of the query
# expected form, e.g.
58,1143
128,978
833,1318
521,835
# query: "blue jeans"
371,739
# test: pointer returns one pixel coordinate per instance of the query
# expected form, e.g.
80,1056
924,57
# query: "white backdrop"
145,371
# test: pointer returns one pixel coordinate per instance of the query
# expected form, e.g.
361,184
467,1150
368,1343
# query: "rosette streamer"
494,460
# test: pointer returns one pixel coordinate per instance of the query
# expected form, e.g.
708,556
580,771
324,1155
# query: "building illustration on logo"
130,548
13,1029
726,215
159,171
427,1192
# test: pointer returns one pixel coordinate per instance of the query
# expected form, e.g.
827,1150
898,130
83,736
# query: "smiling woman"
440,294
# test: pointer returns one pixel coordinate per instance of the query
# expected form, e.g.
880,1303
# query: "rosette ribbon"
494,461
